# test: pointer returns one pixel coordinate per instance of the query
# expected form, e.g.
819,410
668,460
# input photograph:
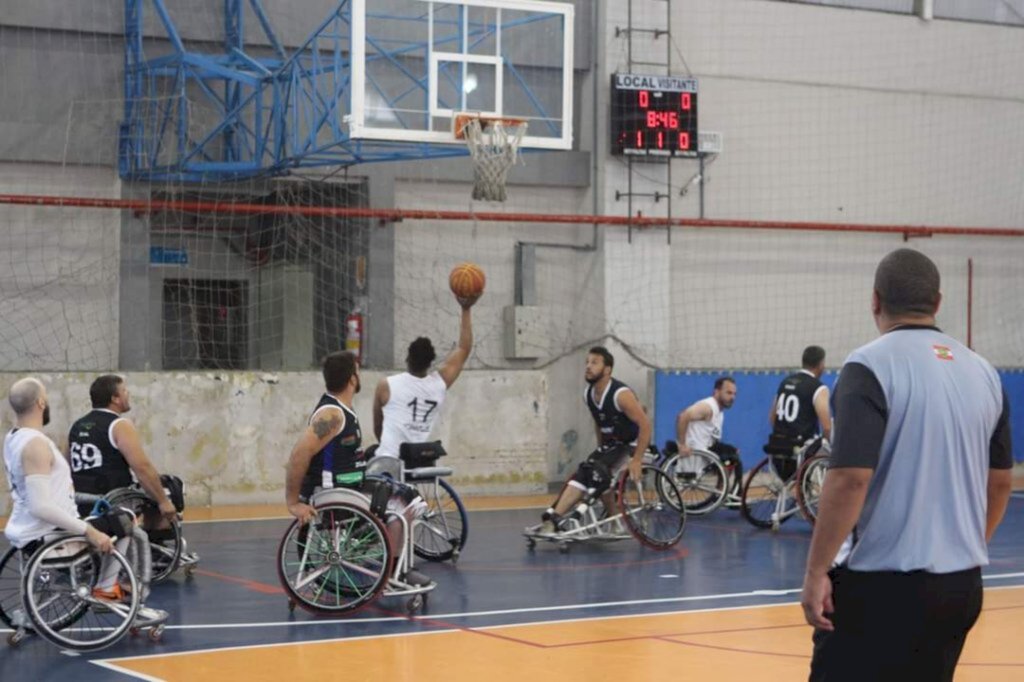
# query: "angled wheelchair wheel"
810,478
652,508
701,480
760,500
338,562
58,592
12,609
442,531
165,544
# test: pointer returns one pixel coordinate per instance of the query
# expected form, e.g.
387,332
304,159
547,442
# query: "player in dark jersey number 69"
105,450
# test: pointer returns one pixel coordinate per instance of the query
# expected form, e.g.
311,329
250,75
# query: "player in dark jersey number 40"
801,402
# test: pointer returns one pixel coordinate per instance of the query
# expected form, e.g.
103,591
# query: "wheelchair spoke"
303,580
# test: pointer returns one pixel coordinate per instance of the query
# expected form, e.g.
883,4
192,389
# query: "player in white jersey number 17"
406,405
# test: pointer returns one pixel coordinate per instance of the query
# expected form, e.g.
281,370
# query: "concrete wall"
228,435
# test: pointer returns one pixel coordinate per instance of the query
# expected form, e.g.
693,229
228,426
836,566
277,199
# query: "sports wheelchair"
651,510
168,546
703,480
48,588
441,533
786,482
342,559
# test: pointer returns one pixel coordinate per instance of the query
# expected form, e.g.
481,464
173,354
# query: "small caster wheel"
155,634
531,544
291,606
16,637
563,548
415,604
455,557
190,570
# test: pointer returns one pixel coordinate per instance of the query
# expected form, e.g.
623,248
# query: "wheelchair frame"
166,560
37,581
441,533
785,493
584,524
355,505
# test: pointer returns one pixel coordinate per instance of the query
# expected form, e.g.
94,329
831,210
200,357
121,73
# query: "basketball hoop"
493,144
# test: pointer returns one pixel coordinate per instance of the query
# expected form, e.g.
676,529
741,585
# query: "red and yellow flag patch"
943,352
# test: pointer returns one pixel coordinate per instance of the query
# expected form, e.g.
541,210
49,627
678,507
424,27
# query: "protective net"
846,130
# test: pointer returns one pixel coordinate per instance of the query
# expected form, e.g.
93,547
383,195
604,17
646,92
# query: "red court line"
461,628
732,649
254,585
675,634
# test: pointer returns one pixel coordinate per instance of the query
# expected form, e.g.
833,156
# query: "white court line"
111,663
529,609
501,612
125,671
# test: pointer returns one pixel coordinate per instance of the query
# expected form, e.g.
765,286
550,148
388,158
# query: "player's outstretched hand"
467,302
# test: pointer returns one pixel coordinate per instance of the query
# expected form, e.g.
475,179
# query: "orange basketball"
467,280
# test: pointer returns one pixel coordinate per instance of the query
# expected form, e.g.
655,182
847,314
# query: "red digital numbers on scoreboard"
654,115
663,119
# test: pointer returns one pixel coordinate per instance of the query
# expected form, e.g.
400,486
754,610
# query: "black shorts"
727,453
896,626
607,458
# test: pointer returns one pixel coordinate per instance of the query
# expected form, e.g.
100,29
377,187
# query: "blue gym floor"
234,599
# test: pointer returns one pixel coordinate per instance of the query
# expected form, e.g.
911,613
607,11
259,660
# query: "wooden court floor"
721,606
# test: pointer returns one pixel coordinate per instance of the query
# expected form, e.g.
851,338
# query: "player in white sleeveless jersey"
700,427
44,495
406,405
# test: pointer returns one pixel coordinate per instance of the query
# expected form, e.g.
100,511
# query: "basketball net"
494,147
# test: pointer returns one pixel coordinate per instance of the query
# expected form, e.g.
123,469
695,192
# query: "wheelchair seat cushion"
782,446
421,454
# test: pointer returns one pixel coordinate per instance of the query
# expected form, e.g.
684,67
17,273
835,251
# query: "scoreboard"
653,116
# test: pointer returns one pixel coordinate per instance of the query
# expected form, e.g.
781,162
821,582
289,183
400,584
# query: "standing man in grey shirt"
919,480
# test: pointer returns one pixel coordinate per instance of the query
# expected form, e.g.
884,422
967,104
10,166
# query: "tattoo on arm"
325,425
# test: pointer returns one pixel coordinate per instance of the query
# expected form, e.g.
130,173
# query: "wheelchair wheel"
12,609
652,508
442,531
701,480
810,478
761,494
164,543
339,561
58,588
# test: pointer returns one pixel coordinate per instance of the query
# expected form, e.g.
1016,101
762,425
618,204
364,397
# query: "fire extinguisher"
354,334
